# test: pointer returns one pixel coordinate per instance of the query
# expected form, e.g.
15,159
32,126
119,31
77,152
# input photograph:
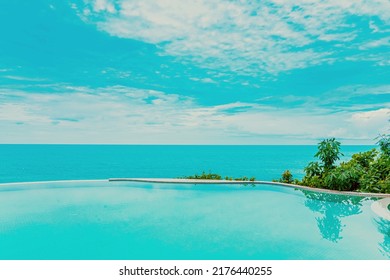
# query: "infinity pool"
127,220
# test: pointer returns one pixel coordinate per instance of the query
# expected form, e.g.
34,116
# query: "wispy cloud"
203,80
365,90
383,42
129,115
21,78
246,37
356,97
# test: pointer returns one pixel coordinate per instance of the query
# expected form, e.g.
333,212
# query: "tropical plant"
366,171
384,143
328,152
204,176
345,177
214,176
377,177
287,177
313,169
314,182
365,159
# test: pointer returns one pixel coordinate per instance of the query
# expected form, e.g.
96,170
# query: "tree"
313,169
365,172
328,153
287,177
384,143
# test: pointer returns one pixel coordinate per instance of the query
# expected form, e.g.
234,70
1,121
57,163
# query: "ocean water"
25,163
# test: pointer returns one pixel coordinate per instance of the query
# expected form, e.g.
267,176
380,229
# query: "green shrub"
313,169
287,177
377,178
204,176
366,171
365,159
384,143
345,177
312,181
214,176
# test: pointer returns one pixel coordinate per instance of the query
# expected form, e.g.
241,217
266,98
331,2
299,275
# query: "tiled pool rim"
228,182
207,182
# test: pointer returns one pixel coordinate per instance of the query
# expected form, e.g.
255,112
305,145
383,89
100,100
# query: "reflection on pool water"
127,220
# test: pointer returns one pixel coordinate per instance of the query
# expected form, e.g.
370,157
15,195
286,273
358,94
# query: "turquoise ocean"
27,163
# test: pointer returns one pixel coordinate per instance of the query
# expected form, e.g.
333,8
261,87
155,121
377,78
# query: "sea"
30,163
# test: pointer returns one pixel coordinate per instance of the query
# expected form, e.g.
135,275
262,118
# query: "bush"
287,177
214,176
205,176
345,177
365,159
377,177
384,143
313,181
313,169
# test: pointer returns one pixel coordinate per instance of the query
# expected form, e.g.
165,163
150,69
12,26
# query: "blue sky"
194,72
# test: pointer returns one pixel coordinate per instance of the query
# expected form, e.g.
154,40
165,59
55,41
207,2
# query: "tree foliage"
366,171
287,177
384,143
214,176
328,152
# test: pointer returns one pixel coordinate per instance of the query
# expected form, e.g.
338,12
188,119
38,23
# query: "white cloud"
361,89
382,89
247,37
129,115
103,6
203,80
20,78
383,42
380,116
16,112
371,122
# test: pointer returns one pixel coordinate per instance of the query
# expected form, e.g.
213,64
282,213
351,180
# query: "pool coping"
210,182
228,182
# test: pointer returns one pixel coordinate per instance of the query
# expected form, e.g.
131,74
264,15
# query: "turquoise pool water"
124,220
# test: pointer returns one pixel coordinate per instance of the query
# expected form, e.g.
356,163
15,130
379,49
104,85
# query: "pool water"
127,220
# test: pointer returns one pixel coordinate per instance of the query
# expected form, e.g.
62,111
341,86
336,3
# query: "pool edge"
228,182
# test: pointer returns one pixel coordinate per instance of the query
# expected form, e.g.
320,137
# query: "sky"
194,72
